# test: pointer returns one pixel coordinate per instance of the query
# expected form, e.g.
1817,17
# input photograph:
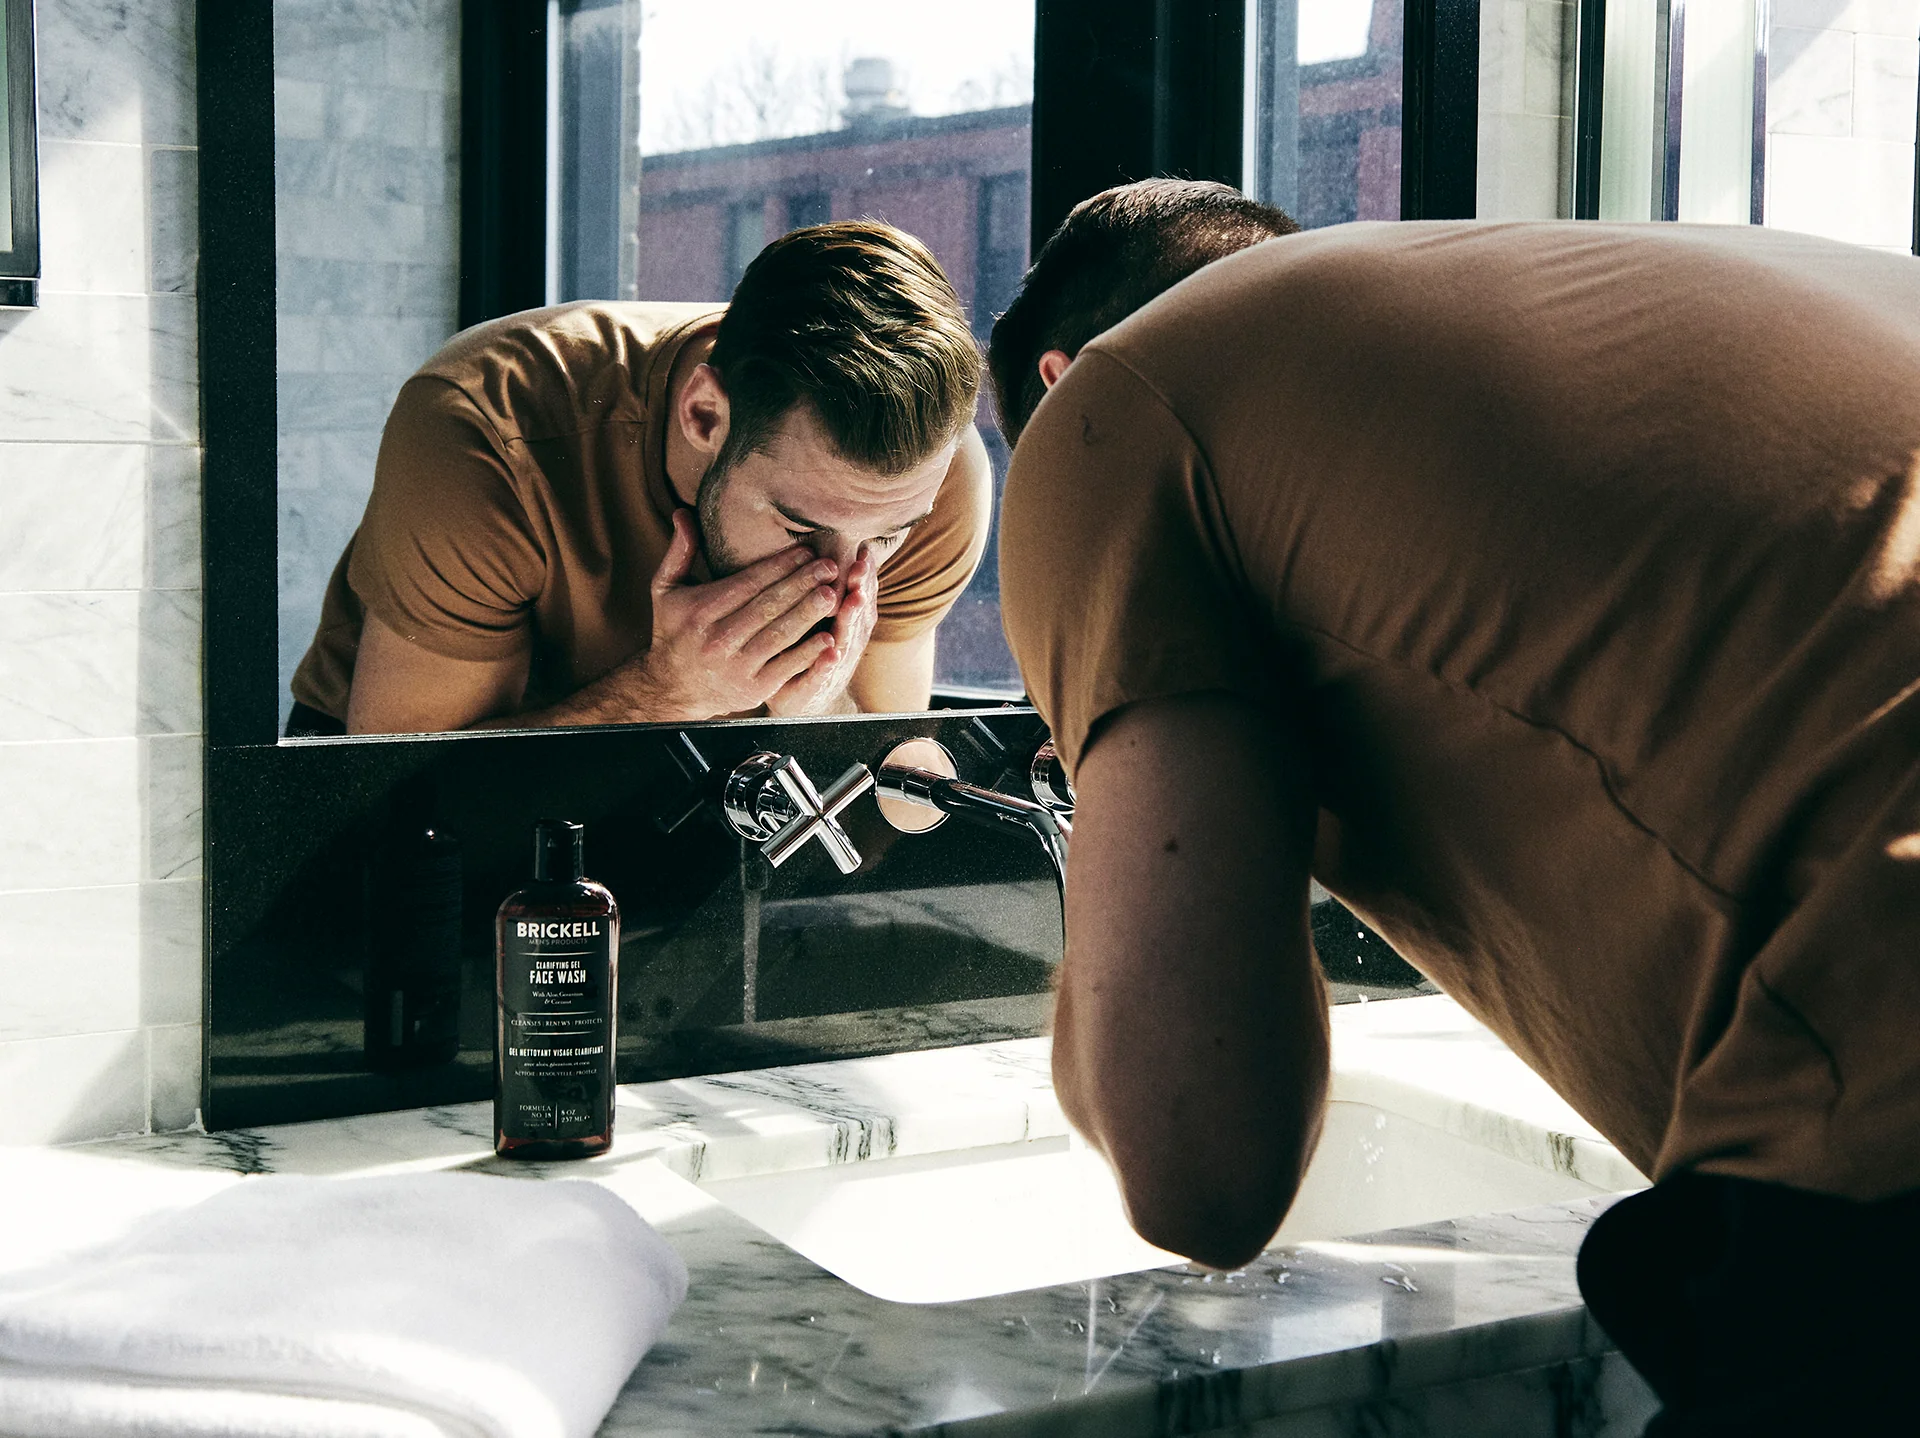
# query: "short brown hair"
1110,256
857,321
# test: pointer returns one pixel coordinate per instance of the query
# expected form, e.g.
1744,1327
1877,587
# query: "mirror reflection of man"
1550,593
612,513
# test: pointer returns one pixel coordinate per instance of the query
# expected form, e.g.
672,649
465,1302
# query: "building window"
811,207
1325,126
743,236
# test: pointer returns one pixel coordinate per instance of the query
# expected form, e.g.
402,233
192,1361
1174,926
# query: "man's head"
1112,254
838,387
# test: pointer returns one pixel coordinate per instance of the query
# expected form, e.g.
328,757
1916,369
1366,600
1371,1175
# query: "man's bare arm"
1190,1028
895,678
718,648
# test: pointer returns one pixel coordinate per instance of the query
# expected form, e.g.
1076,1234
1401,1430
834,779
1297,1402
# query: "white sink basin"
985,1221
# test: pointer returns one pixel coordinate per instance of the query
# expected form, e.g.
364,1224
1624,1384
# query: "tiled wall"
100,949
366,148
1841,89
1526,109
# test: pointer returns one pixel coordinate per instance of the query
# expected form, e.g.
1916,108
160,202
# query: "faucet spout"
923,787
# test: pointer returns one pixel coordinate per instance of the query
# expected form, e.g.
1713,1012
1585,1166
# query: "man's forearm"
622,696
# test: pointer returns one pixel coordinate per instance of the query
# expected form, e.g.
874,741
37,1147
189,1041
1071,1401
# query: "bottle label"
556,1027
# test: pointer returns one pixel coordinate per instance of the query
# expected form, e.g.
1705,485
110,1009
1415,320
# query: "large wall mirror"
678,139
379,177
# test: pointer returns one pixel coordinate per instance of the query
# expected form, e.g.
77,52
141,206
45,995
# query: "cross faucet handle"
770,800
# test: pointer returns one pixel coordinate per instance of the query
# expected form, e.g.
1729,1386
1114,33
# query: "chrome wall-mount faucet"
919,777
769,801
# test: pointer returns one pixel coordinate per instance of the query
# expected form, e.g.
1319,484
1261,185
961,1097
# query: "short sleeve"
446,555
1117,583
921,583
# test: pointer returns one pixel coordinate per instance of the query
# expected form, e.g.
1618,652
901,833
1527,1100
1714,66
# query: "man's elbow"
1221,1221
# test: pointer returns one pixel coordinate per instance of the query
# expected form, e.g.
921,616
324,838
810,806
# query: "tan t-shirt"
1580,566
520,501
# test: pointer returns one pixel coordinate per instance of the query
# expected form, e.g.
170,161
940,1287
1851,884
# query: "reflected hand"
729,646
822,687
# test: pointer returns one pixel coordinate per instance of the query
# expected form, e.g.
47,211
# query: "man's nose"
841,551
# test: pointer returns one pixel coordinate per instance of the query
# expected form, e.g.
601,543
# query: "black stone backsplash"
351,963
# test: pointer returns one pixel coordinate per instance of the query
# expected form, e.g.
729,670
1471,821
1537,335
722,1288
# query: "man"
1551,593
620,513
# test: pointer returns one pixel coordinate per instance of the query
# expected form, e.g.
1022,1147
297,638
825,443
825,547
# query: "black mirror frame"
20,264
1123,89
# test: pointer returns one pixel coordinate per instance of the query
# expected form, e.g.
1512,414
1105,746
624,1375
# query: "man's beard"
720,557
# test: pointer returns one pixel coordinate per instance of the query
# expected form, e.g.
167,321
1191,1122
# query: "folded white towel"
419,1306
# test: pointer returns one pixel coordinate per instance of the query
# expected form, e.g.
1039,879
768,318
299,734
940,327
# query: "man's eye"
799,536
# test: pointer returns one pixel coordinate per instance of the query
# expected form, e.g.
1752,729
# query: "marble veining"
1470,1325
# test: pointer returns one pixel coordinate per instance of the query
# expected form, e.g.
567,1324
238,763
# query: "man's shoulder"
587,331
548,370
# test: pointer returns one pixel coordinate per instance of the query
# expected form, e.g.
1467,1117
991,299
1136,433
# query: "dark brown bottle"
556,993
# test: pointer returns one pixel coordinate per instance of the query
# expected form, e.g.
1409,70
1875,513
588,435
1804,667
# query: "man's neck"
685,464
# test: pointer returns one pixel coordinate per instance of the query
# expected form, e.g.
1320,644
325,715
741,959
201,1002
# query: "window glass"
1324,132
755,117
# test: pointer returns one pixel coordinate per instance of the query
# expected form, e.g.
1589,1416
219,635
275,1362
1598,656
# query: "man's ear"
702,411
1053,364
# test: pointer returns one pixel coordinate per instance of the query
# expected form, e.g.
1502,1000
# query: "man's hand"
822,687
727,647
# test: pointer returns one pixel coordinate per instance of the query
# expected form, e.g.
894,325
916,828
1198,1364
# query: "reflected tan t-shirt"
1579,565
520,501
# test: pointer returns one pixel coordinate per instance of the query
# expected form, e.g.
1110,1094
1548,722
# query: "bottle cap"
559,851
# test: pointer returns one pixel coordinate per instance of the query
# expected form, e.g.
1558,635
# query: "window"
813,207
754,117
1737,111
1324,128
743,237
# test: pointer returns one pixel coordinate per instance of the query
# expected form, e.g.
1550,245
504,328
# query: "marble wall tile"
1886,87
93,203
317,227
170,662
72,514
1503,57
69,961
77,368
172,806
1810,82
117,70
73,814
169,952
81,1086
1846,189
173,188
173,517
100,367
174,347
69,667
1548,89
1869,17
1521,158
299,108
173,1064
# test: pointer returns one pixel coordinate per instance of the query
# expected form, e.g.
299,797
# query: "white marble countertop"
1473,1311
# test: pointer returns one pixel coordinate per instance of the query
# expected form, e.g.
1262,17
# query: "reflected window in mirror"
1324,129
681,140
